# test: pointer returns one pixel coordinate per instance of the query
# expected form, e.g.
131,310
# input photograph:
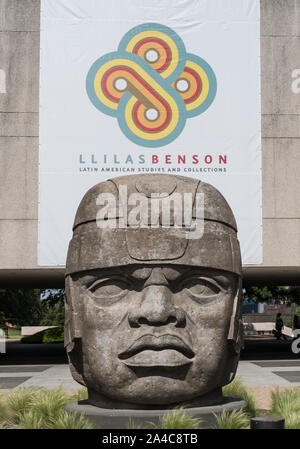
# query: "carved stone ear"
73,329
76,362
73,320
235,333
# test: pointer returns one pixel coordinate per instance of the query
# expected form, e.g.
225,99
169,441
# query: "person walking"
279,326
296,322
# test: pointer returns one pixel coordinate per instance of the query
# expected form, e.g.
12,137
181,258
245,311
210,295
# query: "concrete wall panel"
18,180
20,15
281,179
19,88
280,58
18,244
281,126
19,58
14,124
280,17
281,240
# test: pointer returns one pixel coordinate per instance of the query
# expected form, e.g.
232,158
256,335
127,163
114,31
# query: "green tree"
279,294
53,297
55,316
22,307
2,319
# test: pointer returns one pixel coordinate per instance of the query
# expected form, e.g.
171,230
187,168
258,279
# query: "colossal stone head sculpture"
153,318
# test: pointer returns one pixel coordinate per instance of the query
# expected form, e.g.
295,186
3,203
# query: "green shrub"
178,419
49,403
13,333
40,409
3,409
72,421
286,404
53,335
19,402
81,395
133,425
236,389
31,420
232,420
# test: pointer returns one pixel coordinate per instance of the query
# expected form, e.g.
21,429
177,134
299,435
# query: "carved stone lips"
165,350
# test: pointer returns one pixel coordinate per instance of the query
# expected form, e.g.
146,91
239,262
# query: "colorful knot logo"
151,85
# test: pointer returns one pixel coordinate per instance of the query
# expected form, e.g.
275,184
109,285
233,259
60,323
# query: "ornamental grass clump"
236,389
286,404
18,403
72,421
80,395
237,419
48,404
178,419
41,409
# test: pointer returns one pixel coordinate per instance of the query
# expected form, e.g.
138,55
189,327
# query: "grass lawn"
13,333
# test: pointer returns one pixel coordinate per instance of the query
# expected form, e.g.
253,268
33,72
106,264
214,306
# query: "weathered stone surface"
153,329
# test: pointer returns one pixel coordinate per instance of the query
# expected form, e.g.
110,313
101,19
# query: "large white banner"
149,86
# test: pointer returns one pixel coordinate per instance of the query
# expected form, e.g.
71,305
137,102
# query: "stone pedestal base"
120,419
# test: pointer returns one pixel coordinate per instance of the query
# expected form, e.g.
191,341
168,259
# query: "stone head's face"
155,334
149,332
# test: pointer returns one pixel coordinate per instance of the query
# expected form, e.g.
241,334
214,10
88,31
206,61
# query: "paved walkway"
253,374
270,373
45,366
36,376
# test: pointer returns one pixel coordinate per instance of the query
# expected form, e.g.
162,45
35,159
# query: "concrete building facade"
19,142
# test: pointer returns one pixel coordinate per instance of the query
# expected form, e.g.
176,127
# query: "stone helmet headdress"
95,246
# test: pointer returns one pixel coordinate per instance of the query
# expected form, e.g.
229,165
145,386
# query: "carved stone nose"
157,309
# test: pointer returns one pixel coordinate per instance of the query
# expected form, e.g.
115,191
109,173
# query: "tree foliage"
32,307
22,307
53,297
55,316
279,294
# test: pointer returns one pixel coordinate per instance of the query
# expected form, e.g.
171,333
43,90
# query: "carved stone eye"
201,287
109,288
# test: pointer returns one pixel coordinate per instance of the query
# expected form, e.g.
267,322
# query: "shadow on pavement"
33,354
268,349
50,354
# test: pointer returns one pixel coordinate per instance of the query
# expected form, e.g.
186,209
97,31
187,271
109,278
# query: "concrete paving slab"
28,374
256,373
67,385
11,382
51,378
290,376
23,369
255,376
278,363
